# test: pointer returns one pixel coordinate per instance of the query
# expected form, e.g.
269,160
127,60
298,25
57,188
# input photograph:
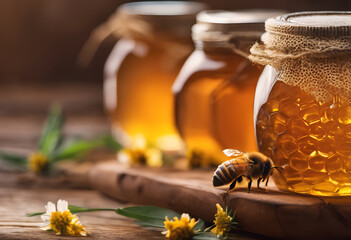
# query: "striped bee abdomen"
229,171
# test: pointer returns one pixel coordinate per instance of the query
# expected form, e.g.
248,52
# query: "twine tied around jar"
123,24
315,57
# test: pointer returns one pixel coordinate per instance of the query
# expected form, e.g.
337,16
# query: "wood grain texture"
15,203
267,212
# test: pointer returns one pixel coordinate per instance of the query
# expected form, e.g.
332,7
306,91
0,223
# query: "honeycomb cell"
326,147
312,177
280,157
271,106
310,113
333,163
298,128
332,112
346,164
287,144
317,131
268,140
278,123
340,176
262,120
345,190
324,116
301,187
332,130
289,108
291,175
327,188
345,115
317,162
307,145
347,131
298,161
344,148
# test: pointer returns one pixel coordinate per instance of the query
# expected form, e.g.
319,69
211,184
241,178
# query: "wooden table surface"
16,202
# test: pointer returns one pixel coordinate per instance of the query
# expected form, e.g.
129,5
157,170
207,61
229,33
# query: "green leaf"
200,225
13,158
51,143
77,148
110,142
35,214
148,215
76,209
51,134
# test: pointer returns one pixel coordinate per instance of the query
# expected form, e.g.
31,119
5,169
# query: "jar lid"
229,21
316,24
311,50
237,30
173,18
163,8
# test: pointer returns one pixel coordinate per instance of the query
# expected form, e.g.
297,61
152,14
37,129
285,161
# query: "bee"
251,165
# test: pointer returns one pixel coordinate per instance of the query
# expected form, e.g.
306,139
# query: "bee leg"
232,185
267,181
249,185
258,182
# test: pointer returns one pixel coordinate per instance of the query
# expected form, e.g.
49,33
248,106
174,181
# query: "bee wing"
233,152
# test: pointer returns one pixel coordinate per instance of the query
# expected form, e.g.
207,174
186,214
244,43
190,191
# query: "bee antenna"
278,168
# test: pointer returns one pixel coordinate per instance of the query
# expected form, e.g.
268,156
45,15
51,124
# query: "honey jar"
214,92
154,43
303,101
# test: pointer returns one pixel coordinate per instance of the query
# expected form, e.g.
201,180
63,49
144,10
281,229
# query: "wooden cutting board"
269,212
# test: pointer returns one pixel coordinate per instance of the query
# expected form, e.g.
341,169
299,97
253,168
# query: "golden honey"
309,139
303,101
214,92
155,41
214,107
143,99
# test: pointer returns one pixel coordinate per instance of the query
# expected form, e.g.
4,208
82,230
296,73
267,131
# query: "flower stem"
76,209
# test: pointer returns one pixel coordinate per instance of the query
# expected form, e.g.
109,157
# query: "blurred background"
39,44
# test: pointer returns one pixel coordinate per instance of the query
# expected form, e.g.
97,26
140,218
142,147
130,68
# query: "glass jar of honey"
154,43
214,92
303,101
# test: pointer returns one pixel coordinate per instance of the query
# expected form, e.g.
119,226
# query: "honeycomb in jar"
310,140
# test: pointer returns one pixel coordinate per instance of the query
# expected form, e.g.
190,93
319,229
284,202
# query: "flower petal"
45,217
185,215
45,224
50,207
62,205
123,157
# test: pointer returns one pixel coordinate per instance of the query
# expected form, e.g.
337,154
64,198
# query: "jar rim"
162,8
222,25
318,24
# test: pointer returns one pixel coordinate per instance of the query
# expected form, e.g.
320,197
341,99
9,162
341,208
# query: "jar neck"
215,48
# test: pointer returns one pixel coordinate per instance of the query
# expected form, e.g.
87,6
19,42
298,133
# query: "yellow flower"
180,229
222,222
62,221
139,154
197,158
37,162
